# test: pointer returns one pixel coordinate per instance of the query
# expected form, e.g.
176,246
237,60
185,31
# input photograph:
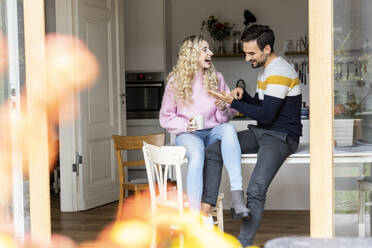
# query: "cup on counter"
198,121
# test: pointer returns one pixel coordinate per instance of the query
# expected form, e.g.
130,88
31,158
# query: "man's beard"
259,63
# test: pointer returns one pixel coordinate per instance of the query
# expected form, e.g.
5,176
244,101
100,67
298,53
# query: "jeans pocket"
278,135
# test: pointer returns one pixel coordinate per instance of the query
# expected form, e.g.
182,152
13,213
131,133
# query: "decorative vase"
220,47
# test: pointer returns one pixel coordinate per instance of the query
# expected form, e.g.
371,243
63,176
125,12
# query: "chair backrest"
158,161
133,143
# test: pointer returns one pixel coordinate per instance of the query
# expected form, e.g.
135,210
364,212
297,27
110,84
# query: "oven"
144,93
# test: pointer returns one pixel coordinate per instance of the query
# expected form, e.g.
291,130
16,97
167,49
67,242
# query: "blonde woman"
185,97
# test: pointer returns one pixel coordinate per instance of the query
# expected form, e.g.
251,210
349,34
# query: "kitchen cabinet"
143,126
146,35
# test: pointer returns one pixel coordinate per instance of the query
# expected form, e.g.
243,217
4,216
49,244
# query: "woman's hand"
237,93
191,127
221,105
222,95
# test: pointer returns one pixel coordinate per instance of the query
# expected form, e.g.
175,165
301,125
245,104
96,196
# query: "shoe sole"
243,216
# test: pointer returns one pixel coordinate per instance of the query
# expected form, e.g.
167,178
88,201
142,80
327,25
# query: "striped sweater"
277,102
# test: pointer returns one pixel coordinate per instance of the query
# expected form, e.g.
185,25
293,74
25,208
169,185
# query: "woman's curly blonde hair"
185,69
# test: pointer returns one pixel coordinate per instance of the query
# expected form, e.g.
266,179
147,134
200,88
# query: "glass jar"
237,43
288,47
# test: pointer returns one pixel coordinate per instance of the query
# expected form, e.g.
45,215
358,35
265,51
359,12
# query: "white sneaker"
208,222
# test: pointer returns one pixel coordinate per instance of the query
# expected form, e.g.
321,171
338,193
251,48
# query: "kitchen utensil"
240,83
298,46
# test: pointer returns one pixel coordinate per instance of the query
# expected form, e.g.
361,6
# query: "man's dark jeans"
272,149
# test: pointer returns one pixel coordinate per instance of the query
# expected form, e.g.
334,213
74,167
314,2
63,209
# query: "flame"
4,140
7,241
70,66
3,54
166,228
133,233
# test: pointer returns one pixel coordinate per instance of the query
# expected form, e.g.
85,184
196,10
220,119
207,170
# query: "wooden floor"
86,225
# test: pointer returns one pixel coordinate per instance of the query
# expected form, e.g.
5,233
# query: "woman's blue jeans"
195,143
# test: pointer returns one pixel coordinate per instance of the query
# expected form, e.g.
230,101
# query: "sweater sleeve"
229,112
251,100
269,108
168,117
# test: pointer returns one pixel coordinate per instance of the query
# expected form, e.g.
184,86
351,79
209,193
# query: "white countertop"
142,122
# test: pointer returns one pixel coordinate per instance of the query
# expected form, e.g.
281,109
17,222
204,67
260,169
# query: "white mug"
198,122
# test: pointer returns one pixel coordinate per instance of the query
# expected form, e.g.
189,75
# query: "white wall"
288,19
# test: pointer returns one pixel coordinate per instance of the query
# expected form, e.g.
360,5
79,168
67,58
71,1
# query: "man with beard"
276,107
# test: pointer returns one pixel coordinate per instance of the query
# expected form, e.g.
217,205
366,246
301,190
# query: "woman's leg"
195,155
231,152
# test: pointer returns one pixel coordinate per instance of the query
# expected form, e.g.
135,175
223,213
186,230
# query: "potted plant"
219,31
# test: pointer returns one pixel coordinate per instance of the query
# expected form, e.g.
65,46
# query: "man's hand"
237,93
222,95
221,105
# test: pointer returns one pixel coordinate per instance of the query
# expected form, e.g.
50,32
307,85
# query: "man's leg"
213,164
271,154
212,173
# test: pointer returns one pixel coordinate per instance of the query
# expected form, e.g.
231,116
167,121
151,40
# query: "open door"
88,172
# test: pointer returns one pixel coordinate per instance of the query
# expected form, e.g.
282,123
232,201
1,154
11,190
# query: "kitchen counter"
142,122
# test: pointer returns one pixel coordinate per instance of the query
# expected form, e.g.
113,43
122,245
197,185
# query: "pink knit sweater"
175,117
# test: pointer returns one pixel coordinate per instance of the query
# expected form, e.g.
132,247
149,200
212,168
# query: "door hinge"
75,166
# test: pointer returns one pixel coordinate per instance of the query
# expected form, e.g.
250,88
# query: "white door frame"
67,137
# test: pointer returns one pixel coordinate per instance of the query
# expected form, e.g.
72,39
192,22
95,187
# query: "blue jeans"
195,144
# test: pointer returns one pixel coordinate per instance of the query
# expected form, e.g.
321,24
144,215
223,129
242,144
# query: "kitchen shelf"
293,53
228,55
352,52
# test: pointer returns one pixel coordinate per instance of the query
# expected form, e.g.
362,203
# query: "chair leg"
182,241
120,205
220,213
362,206
119,210
137,193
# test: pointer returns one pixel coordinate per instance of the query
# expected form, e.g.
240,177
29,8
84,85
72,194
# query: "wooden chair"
132,143
158,162
217,212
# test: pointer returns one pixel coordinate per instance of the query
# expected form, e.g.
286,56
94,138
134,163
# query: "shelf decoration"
219,31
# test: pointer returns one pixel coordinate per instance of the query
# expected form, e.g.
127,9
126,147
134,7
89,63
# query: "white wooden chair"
158,161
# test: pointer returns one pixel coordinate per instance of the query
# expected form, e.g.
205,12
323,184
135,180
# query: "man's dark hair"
264,35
